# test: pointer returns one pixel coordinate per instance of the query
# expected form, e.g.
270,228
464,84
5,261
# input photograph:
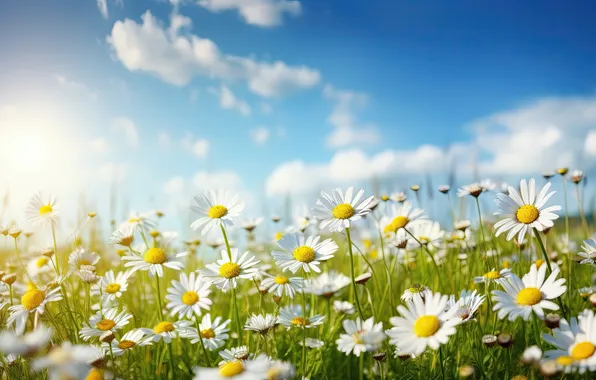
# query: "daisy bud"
548,175
89,268
263,289
444,189
196,242
519,377
415,187
552,321
577,176
384,197
88,276
505,340
91,214
234,335
562,171
489,340
277,299
121,252
9,279
98,363
546,230
275,219
462,256
585,292
554,256
548,368
403,356
154,233
363,278
593,299
466,371
107,337
14,232
28,234
159,214
48,253
531,355
2,273
380,356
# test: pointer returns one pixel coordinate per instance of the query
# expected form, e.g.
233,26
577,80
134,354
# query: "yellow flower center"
304,254
300,321
564,360
426,326
506,264
207,334
32,299
134,220
367,243
278,235
126,344
41,261
105,324
94,374
529,296
399,222
155,256
46,209
190,298
281,280
112,288
374,254
273,373
385,197
539,263
343,211
492,275
232,368
583,350
527,214
229,270
217,211
163,327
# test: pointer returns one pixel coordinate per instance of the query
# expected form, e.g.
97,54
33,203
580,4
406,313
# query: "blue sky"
376,89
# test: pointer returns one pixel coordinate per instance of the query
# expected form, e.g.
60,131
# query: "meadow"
357,286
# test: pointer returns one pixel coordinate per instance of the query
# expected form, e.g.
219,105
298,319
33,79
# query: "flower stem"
159,297
55,249
429,254
202,344
352,273
441,362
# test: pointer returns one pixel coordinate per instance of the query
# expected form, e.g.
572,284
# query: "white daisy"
39,265
67,361
154,260
214,334
188,296
282,284
26,345
402,215
416,291
531,293
493,276
82,257
428,233
224,273
124,236
522,213
589,252
215,208
360,336
344,307
111,286
256,369
99,323
292,316
424,323
300,253
313,343
476,189
261,323
166,330
466,306
337,210
42,209
234,353
130,340
141,222
33,301
251,223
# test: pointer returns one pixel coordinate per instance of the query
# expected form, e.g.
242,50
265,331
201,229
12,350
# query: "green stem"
429,254
16,247
202,344
352,273
56,255
441,362
159,297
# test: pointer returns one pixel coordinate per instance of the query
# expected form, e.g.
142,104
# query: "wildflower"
522,213
261,323
140,222
399,197
428,233
505,340
589,252
530,294
38,266
281,284
493,276
465,308
475,189
338,210
27,344
293,316
489,340
416,290
109,320
130,340
33,301
327,284
424,323
188,296
216,209
82,257
360,336
444,188
344,307
166,330
124,236
111,286
577,176
531,355
42,209
552,320
67,361
252,223
214,334
313,343
402,215
303,253
224,273
237,369
154,260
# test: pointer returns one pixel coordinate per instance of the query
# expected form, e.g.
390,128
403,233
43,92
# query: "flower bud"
489,340
363,278
9,279
505,340
107,337
380,356
466,371
552,321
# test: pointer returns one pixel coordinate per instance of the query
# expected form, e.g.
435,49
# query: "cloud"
346,129
79,87
227,100
228,180
163,140
266,108
102,5
197,147
259,135
176,58
99,145
174,186
126,127
263,13
113,172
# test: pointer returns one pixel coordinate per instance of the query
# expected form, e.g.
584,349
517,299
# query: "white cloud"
266,108
163,140
200,148
264,13
259,135
75,86
590,144
176,58
174,186
99,145
346,129
126,127
113,172
227,100
102,5
227,180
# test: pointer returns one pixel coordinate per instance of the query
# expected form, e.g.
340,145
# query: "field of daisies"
359,286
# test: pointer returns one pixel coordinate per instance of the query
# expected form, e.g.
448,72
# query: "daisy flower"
427,233
166,330
42,209
111,286
39,266
589,252
124,236
402,215
26,345
466,306
493,276
154,260
531,293
282,284
476,189
224,273
140,221
399,197
255,369
575,343
338,210
130,340
67,361
526,211
234,353
303,253
416,291
214,334
260,323
251,223
313,343
82,257
216,209
109,320
292,316
33,301
360,336
343,307
188,296
424,323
